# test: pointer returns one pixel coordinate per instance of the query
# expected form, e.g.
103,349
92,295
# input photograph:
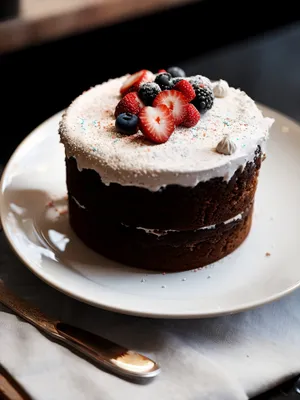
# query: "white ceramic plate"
40,235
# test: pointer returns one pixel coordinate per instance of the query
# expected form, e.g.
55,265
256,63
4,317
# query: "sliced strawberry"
186,88
175,101
130,103
157,123
133,82
192,116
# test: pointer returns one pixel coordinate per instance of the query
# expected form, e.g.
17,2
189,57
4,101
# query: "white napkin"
227,358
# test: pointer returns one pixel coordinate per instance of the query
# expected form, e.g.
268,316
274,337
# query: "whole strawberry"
192,116
185,88
130,103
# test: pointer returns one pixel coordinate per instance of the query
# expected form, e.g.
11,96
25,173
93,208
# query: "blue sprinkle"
82,122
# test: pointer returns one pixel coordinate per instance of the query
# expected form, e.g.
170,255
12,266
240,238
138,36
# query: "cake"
162,169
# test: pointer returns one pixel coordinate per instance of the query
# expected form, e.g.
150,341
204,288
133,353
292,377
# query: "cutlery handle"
116,358
25,310
100,351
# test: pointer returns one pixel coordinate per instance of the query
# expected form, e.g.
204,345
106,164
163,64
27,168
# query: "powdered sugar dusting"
88,132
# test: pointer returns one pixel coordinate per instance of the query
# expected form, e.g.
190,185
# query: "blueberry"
148,91
127,123
164,80
176,72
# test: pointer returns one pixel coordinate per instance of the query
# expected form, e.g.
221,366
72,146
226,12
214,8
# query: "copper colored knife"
101,352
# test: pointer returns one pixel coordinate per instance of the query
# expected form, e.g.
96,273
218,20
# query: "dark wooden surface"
262,60
36,21
9,388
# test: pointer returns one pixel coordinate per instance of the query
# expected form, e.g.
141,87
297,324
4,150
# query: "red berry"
133,82
157,123
192,116
186,88
175,101
161,71
130,103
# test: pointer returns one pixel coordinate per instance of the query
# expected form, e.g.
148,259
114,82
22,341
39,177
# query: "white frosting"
220,88
161,232
88,132
77,202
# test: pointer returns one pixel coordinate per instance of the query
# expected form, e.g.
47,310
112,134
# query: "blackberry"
176,72
148,91
204,98
164,80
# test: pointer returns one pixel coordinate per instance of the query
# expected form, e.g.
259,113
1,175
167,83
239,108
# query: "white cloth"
227,358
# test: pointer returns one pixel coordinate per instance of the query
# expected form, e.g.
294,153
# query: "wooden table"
43,20
10,390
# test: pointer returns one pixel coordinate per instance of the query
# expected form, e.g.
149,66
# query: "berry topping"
185,88
176,80
160,71
130,103
164,80
201,80
157,123
192,116
204,98
127,123
148,92
176,72
134,81
175,101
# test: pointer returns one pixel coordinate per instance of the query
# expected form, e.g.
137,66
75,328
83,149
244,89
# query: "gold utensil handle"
25,310
100,351
116,358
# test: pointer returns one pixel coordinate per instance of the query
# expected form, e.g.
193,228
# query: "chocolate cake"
162,169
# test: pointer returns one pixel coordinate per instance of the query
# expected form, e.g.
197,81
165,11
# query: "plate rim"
146,314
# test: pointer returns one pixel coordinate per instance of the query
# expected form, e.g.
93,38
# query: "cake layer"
174,207
174,251
88,133
162,232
